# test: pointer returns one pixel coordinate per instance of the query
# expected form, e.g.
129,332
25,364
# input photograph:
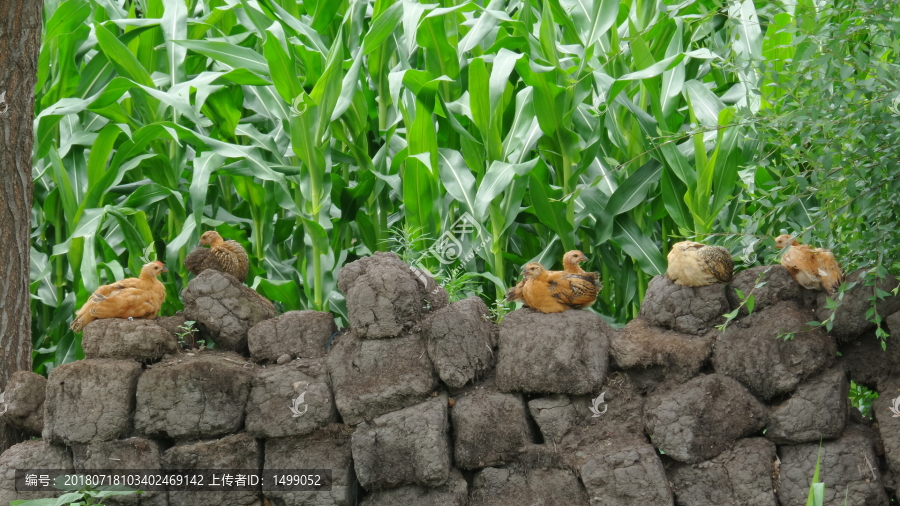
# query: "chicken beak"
164,269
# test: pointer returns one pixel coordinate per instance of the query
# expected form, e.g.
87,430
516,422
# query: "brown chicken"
139,297
694,264
812,268
223,256
570,265
557,291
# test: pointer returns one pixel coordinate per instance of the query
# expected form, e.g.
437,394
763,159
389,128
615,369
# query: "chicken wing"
557,291
224,256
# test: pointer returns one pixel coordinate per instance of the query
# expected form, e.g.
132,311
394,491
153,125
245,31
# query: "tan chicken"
570,265
812,268
557,291
695,264
139,297
223,256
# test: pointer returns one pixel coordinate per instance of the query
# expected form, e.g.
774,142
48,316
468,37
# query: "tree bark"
20,43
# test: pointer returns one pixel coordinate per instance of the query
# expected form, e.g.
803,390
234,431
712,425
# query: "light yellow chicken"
557,291
140,297
695,264
812,268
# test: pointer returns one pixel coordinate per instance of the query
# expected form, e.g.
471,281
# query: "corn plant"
493,132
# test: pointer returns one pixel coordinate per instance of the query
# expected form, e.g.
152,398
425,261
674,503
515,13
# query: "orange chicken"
223,256
557,291
695,264
570,264
139,297
812,268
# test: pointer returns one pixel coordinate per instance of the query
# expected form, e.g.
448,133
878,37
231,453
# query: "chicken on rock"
812,268
695,264
223,256
557,291
140,297
570,264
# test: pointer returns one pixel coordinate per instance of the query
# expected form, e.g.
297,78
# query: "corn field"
469,136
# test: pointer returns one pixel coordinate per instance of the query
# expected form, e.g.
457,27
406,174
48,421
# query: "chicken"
139,297
224,256
557,291
812,268
570,264
694,264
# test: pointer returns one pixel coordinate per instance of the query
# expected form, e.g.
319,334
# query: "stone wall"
426,402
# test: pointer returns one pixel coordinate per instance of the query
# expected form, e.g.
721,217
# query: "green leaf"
284,291
495,181
125,62
281,66
230,54
644,250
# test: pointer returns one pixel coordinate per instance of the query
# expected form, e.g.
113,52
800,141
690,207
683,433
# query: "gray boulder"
27,456
684,308
190,397
224,309
235,452
741,476
142,340
626,473
22,403
299,334
888,424
90,400
327,448
122,455
850,320
452,493
407,447
489,428
778,285
558,353
374,377
702,418
750,351
273,409
640,345
515,486
385,296
817,410
459,341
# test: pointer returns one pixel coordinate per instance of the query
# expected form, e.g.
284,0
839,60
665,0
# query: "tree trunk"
20,43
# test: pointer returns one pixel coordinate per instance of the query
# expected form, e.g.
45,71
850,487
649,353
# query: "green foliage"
862,398
489,134
84,497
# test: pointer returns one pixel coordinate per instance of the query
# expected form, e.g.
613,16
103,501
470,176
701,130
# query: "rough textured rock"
750,351
90,400
848,464
275,390
555,416
867,363
198,396
452,493
22,404
385,296
374,377
489,428
516,486
172,324
779,286
702,418
558,353
300,334
683,308
620,474
817,410
224,308
850,320
888,424
238,451
34,454
641,345
459,341
741,476
410,446
327,448
136,339
124,455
